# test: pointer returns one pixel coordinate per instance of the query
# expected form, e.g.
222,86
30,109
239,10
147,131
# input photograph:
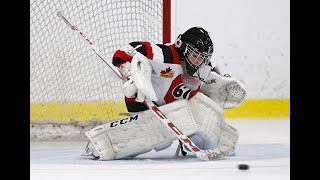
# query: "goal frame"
166,21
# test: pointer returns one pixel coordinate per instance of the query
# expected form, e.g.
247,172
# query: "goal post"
69,84
166,27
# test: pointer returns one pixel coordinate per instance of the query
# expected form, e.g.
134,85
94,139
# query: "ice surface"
263,144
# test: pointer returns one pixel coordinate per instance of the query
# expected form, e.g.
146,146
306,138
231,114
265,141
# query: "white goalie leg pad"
100,143
208,116
213,132
228,137
142,132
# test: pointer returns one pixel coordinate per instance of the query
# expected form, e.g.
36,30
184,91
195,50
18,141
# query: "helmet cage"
195,58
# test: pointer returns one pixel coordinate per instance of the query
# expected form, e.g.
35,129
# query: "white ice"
264,145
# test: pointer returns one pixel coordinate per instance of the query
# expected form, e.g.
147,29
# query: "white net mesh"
68,82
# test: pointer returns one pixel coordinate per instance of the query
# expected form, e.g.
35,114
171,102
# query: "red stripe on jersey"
176,57
133,99
169,96
194,92
148,50
122,55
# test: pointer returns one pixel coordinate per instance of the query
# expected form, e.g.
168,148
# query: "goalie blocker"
200,118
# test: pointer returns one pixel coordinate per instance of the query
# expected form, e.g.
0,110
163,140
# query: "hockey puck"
243,166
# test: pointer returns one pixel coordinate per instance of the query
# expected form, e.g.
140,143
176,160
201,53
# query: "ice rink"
264,145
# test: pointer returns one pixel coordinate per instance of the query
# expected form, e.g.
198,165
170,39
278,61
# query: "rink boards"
110,110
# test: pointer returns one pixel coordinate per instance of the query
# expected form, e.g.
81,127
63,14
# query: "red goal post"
69,85
166,21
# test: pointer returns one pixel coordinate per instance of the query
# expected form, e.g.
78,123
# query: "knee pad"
208,116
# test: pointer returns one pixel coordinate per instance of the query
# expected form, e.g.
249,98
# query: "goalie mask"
196,47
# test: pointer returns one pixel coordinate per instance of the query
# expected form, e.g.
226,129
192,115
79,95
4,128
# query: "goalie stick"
201,154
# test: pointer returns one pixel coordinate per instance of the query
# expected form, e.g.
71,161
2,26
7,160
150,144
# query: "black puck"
243,166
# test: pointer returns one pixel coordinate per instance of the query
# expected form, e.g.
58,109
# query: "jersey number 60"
181,90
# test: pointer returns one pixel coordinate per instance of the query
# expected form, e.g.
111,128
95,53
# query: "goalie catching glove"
138,83
228,92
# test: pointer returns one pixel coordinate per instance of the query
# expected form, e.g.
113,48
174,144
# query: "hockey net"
71,89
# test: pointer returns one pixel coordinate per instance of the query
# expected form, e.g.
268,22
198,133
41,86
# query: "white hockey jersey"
168,78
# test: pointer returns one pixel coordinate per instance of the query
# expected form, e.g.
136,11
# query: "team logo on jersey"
168,73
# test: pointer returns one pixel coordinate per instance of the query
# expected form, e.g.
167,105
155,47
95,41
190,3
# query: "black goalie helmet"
196,47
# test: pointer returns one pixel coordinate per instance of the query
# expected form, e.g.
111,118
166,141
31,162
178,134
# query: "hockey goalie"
181,81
